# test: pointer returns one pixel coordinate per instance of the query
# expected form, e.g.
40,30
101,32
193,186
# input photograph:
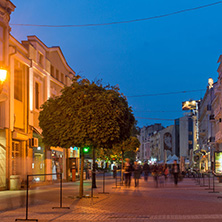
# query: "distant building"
144,138
202,157
177,139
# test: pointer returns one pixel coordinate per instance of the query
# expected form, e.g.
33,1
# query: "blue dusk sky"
169,54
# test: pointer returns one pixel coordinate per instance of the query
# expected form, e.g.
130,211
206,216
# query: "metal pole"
116,180
27,197
103,181
104,184
60,190
208,183
27,203
213,187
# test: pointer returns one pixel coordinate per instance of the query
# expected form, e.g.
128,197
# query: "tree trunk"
81,174
94,170
122,167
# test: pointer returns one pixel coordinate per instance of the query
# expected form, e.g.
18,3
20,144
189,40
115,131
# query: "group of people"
158,172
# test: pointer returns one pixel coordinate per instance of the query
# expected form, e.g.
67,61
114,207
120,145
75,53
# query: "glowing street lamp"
3,75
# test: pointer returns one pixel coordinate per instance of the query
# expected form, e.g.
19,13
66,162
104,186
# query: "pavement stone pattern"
186,202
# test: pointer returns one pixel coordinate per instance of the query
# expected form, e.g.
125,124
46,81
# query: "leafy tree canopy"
86,114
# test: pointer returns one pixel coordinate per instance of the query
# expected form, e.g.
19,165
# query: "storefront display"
218,163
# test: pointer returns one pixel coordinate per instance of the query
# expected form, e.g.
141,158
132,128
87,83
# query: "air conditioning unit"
33,142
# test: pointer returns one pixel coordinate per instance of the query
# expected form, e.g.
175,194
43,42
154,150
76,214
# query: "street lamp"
3,75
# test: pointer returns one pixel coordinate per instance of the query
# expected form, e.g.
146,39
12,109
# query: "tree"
87,114
129,145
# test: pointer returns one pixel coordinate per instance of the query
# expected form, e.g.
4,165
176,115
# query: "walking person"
137,172
114,171
175,171
128,172
166,172
146,170
155,172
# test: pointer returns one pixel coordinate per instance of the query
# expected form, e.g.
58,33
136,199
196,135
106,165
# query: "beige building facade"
35,72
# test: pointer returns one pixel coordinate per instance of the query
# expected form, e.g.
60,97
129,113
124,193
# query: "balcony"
217,113
218,137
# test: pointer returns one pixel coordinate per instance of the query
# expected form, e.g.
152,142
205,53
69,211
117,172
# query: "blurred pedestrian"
155,173
114,171
137,173
146,170
128,172
166,172
175,171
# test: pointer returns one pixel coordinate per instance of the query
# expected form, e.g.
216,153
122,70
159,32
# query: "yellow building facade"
35,73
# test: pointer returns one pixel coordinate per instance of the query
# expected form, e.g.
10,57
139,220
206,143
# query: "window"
18,85
36,95
15,157
62,77
40,59
57,74
1,43
52,71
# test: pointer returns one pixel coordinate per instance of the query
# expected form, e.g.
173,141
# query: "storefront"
57,161
73,162
38,158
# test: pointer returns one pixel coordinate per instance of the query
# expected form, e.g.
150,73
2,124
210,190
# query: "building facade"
144,138
35,72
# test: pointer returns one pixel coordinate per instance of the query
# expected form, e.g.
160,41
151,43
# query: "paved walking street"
186,202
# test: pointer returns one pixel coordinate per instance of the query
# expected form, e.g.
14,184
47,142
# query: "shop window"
15,158
18,85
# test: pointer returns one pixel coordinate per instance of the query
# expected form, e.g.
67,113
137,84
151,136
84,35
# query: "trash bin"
15,183
73,175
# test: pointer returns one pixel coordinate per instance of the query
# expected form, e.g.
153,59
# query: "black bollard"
27,204
104,184
213,187
61,195
209,188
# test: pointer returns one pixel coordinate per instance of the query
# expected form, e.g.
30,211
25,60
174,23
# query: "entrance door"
16,158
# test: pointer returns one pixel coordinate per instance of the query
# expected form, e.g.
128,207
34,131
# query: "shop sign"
218,163
73,152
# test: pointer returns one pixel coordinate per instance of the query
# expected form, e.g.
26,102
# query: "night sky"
169,54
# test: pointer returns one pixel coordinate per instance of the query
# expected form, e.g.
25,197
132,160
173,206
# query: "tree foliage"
86,114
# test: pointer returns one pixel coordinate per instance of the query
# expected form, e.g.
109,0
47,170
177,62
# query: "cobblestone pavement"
186,202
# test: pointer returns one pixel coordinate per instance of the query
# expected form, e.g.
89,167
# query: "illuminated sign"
189,105
218,163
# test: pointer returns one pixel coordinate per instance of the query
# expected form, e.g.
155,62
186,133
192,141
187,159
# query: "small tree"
86,114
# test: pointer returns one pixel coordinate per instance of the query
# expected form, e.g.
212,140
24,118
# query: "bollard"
116,186
213,187
103,184
61,195
27,204
203,175
209,188
27,195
